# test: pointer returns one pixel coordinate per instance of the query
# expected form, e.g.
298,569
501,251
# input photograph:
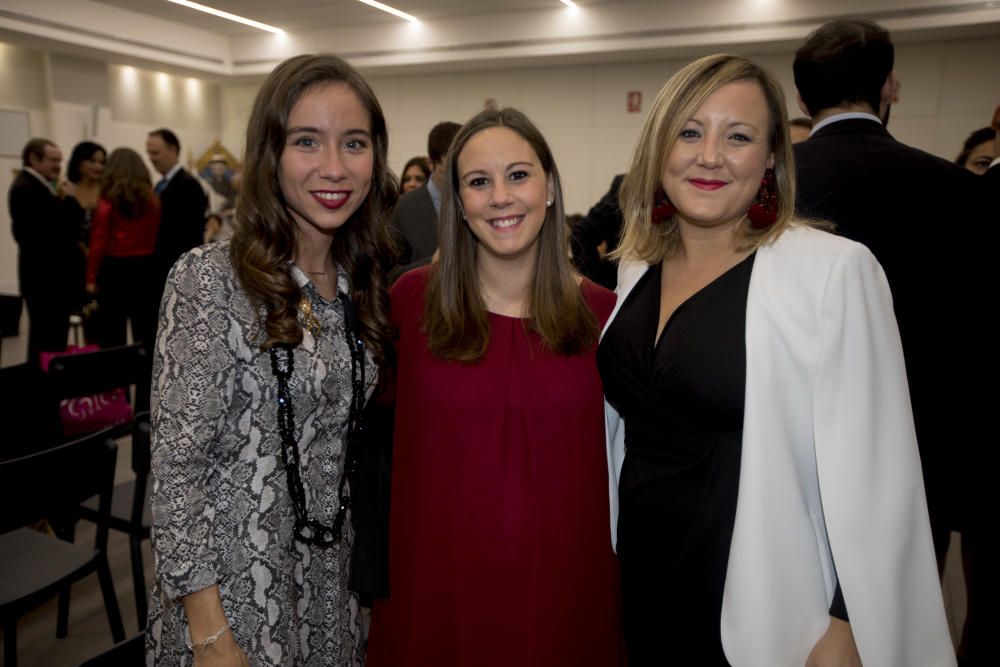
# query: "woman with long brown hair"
498,553
120,256
269,347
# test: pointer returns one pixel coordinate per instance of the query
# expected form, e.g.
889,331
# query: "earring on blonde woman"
764,212
663,210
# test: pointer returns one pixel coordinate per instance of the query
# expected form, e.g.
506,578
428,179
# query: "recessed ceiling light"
391,10
227,15
569,3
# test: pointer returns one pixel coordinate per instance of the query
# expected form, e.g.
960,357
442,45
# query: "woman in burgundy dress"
498,546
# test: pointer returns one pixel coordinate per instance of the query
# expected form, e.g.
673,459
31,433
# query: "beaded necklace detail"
310,530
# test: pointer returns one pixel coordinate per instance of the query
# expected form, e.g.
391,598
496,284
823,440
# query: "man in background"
597,235
415,218
50,263
183,202
925,220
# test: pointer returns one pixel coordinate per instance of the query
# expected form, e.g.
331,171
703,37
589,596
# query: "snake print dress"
221,509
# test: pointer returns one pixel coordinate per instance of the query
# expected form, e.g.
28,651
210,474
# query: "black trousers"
128,293
48,323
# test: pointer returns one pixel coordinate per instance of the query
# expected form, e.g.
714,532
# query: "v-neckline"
685,302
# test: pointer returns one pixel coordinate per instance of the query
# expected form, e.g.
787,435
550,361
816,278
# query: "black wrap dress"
681,398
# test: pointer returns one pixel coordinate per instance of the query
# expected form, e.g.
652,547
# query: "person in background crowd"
415,218
892,198
596,236
183,202
800,128
978,151
970,515
120,267
498,544
415,174
767,504
213,228
45,222
121,271
86,163
268,347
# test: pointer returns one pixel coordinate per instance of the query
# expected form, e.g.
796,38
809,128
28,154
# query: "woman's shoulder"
410,285
813,249
600,299
406,296
104,206
207,264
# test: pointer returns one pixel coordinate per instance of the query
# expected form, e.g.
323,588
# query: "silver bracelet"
208,641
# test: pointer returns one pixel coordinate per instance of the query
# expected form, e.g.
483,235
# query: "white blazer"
829,463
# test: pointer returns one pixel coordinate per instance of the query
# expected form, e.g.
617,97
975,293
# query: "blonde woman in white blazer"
767,502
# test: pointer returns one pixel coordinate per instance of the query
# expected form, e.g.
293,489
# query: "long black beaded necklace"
310,530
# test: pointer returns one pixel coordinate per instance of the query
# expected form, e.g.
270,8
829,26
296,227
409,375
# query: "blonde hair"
676,102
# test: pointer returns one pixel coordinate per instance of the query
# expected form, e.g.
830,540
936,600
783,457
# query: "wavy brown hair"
264,238
677,101
126,184
455,317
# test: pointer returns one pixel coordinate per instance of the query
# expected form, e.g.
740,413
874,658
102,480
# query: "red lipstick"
331,199
706,184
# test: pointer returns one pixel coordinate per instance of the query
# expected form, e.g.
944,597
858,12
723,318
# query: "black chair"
132,651
30,418
104,370
130,510
35,566
87,374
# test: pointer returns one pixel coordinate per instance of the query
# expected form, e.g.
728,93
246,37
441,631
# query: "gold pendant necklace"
309,318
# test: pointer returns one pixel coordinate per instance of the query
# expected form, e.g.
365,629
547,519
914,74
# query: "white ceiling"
456,35
295,15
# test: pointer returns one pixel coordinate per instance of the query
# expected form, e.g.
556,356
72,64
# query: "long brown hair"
264,238
679,99
455,317
125,183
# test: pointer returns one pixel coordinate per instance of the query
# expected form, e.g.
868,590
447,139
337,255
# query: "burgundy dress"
499,545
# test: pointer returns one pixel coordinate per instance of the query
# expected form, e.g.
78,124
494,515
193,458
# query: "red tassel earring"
663,210
764,212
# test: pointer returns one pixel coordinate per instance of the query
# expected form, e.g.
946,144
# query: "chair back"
53,482
96,372
140,444
30,418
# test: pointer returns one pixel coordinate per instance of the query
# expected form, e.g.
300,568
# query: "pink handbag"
86,414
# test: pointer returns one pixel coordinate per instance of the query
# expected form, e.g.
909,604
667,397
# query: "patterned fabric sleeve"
194,371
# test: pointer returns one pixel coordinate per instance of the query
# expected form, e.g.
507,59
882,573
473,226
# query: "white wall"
948,89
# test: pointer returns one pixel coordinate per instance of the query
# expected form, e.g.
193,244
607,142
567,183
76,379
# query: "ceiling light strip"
391,10
228,16
569,3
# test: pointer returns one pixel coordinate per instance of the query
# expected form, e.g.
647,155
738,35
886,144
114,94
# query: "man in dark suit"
597,235
415,218
916,212
50,264
183,200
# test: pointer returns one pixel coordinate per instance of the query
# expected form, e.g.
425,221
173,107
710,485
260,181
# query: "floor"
89,634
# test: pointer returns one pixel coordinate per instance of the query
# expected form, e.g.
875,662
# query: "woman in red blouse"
119,263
